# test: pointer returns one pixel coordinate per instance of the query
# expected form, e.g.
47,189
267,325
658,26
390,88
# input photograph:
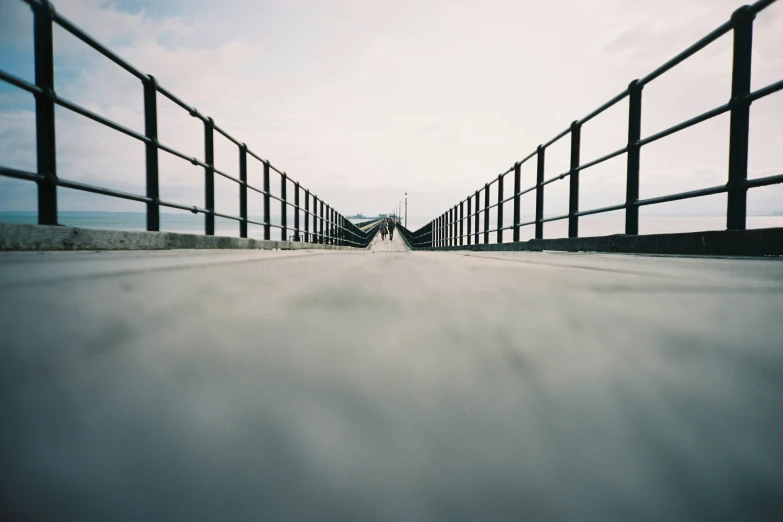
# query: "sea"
588,225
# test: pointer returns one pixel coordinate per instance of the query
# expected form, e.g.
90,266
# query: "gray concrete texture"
16,237
343,385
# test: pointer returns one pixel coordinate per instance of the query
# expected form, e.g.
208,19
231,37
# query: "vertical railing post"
151,153
470,220
267,201
452,220
737,200
634,134
209,176
283,208
315,219
486,213
321,233
517,199
46,150
442,230
296,212
573,189
328,225
307,216
461,219
454,225
243,190
500,208
540,191
447,227
476,220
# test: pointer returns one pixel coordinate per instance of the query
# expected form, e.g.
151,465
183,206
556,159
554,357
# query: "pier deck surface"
340,385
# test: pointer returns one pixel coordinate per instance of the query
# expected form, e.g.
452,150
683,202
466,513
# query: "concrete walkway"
343,385
397,244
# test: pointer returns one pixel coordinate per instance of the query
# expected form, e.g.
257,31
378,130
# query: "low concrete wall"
759,242
43,237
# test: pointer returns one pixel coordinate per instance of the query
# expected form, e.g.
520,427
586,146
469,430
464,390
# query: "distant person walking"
384,229
392,224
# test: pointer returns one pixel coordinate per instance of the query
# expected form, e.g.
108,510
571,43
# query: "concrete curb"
16,237
757,242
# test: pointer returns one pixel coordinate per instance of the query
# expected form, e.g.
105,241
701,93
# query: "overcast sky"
363,100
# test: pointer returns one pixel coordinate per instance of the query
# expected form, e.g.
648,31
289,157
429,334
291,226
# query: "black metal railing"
460,226
328,226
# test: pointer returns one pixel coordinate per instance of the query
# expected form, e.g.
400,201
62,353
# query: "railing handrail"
446,229
334,228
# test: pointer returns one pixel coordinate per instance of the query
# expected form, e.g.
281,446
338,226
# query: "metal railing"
459,226
328,226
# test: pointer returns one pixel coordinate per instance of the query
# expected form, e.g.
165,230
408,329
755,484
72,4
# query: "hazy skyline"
363,101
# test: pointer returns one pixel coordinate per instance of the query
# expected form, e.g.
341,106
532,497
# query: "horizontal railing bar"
251,187
717,111
682,195
178,154
555,178
84,37
690,51
20,83
227,176
602,159
523,160
761,182
556,218
765,91
761,5
168,94
276,169
86,187
256,156
235,218
21,174
126,195
553,140
510,169
100,119
617,99
190,208
600,210
531,189
227,136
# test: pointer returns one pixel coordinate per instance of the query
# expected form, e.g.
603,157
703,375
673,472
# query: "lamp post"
406,211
